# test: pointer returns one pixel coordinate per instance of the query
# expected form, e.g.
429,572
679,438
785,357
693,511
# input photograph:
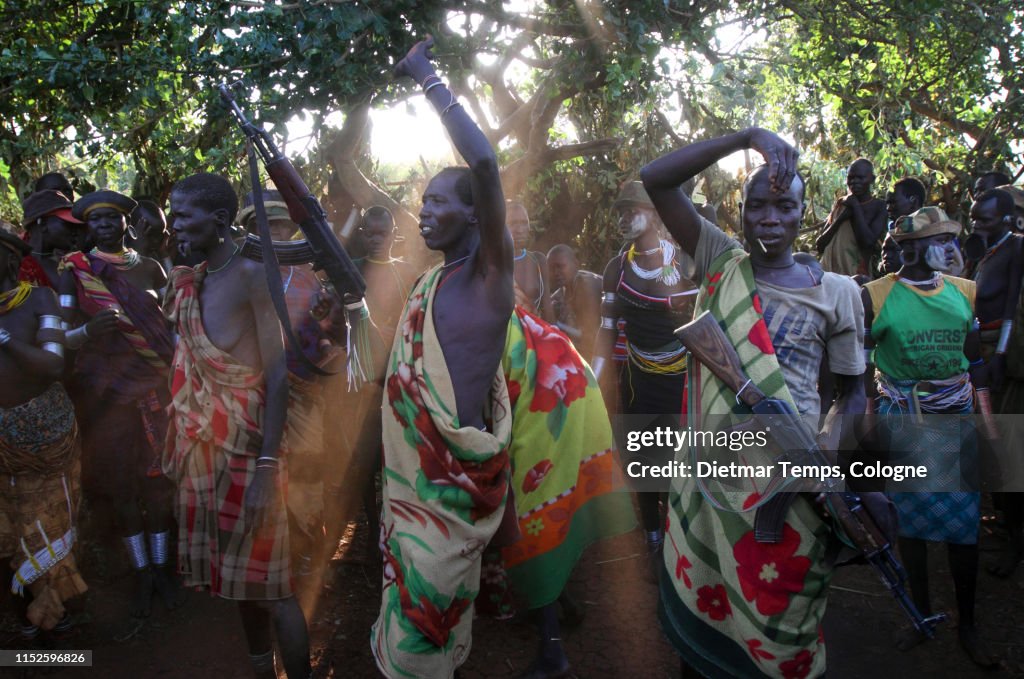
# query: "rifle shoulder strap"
271,267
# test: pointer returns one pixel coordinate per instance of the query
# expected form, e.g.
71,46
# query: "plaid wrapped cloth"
39,492
731,606
214,438
445,488
143,329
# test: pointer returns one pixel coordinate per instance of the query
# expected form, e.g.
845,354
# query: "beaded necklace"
126,258
667,273
14,298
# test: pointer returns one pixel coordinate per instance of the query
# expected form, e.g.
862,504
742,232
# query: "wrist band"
450,106
1004,337
432,86
427,79
5,337
607,323
978,362
609,297
54,348
49,321
68,302
267,458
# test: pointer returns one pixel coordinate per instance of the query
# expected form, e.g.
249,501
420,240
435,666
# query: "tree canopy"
576,95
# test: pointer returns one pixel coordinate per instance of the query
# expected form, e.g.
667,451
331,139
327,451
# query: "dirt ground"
619,635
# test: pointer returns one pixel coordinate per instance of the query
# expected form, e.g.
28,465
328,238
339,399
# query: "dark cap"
10,240
633,193
45,203
99,199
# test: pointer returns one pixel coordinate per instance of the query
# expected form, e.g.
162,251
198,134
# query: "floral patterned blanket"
731,606
568,486
444,494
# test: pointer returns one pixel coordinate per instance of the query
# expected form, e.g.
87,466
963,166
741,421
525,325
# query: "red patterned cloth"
214,438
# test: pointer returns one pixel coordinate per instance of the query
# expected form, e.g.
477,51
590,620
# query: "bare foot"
169,589
976,648
143,595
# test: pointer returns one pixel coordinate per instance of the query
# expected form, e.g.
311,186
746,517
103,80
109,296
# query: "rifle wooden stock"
704,338
303,207
287,180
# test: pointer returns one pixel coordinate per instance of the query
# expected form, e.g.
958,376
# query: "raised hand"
416,63
778,154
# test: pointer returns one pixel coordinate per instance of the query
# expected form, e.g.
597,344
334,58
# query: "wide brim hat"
274,203
45,203
102,199
926,222
10,240
633,194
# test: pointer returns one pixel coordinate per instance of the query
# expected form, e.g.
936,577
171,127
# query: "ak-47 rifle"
321,247
704,338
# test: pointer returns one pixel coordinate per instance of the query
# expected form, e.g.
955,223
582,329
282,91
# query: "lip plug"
763,248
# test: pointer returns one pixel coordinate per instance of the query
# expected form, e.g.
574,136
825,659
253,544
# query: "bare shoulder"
611,272
155,273
590,281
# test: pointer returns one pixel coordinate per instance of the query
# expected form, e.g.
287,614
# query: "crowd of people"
145,369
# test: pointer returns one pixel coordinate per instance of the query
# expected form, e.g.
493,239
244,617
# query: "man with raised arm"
229,389
731,605
447,416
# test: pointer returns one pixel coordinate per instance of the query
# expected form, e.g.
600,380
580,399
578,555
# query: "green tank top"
919,334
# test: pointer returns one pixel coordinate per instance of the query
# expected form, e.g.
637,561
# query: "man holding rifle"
732,605
928,352
229,388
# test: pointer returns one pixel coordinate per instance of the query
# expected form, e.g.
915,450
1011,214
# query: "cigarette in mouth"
763,248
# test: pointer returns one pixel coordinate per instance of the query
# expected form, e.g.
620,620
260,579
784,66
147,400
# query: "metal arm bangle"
68,302
54,348
1004,337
